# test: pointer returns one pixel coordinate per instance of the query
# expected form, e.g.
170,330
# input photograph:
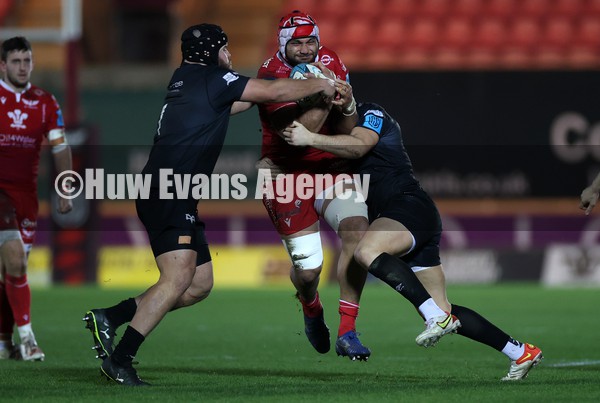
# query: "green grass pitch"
249,346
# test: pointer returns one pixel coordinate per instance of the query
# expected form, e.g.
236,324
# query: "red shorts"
19,210
296,211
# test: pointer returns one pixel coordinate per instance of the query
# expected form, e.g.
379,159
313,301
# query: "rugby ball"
300,69
297,73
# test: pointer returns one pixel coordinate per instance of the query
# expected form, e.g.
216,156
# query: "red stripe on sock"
348,314
312,309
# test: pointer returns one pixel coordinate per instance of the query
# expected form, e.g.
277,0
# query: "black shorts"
417,212
173,225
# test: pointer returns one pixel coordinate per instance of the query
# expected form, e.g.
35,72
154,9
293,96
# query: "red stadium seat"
466,8
414,58
355,32
423,34
366,8
400,8
516,57
558,32
583,57
500,9
338,8
482,58
588,32
353,58
382,59
329,31
448,58
490,34
591,8
390,33
533,8
524,33
457,33
433,9
568,8
550,57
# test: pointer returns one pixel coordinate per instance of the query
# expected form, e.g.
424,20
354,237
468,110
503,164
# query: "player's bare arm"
240,106
61,152
354,145
285,89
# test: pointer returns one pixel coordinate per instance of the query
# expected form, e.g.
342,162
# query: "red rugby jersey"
295,159
26,118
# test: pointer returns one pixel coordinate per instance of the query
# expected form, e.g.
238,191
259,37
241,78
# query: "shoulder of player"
38,92
329,58
273,67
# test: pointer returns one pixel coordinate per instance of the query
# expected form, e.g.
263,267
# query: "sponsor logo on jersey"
283,70
230,77
177,84
3,100
18,117
190,218
16,139
31,103
326,59
374,112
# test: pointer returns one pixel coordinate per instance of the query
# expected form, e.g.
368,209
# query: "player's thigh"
292,216
383,236
344,209
26,211
177,267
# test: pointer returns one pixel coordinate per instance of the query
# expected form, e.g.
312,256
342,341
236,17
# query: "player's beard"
16,82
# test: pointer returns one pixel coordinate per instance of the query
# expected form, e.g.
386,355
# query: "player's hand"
330,90
64,205
344,89
589,198
326,72
297,135
267,164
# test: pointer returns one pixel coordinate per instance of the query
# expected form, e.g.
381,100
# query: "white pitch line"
574,363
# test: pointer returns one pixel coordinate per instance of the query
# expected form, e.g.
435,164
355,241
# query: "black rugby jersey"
193,121
387,163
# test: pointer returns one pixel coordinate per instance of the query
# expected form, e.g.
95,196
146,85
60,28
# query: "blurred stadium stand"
417,34
461,34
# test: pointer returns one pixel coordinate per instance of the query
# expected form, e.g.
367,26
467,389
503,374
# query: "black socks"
476,327
398,275
122,312
128,346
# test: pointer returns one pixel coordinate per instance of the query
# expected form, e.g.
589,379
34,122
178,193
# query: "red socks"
18,293
348,313
7,322
312,309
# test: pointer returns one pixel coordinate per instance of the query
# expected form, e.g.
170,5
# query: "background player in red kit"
297,221
29,116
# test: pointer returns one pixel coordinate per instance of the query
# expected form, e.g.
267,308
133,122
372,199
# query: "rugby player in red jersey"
30,116
297,219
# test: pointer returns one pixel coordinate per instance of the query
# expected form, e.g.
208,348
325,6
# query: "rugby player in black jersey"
401,246
202,94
